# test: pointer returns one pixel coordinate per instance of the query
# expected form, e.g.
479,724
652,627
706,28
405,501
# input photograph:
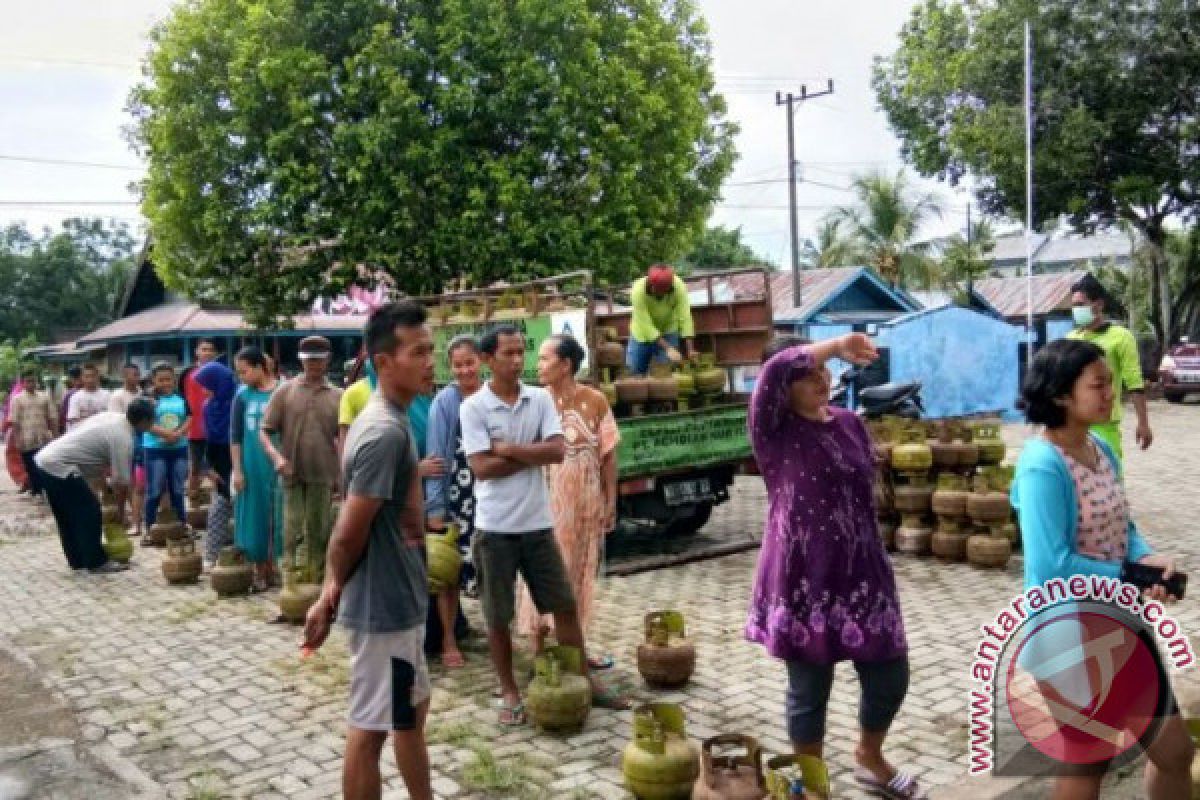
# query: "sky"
66,68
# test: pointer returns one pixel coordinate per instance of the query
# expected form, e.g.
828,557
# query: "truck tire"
1175,397
691,525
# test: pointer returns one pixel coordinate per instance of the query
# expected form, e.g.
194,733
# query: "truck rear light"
639,486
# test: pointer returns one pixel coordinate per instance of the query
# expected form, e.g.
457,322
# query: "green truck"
675,465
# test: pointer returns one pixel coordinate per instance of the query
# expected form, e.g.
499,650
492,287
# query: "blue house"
967,362
836,301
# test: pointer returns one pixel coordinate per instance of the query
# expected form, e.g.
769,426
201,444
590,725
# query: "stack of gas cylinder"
942,490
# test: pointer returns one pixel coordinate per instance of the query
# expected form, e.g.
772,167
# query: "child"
165,445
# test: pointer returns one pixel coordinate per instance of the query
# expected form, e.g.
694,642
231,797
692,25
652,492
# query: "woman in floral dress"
583,488
824,591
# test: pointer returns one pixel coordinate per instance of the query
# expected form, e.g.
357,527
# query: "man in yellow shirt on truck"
662,320
1120,351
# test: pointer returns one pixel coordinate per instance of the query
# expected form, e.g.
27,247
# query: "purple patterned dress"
824,590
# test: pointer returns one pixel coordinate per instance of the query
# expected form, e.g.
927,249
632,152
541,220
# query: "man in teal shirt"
662,319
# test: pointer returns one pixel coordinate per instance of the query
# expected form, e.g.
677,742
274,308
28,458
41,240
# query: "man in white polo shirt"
510,431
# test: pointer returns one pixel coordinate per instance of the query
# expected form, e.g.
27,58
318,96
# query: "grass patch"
459,734
327,670
156,716
494,777
205,785
190,610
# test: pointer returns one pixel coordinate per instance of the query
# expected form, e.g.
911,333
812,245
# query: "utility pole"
970,258
790,100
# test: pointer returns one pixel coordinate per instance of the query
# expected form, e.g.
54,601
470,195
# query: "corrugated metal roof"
190,318
818,286
1051,293
1010,247
1061,248
1097,247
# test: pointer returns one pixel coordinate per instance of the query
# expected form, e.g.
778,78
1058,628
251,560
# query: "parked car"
1179,371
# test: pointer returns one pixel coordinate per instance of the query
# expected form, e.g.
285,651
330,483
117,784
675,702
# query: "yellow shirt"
354,400
654,316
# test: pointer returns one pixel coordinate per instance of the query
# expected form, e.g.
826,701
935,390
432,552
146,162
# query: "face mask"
1083,315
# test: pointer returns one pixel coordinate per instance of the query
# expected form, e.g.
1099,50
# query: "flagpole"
1029,193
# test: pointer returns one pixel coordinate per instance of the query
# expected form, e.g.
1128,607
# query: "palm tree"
964,259
831,247
884,222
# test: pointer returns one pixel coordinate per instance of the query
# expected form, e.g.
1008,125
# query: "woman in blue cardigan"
1075,521
450,496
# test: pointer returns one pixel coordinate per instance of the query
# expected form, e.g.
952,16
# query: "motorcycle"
873,402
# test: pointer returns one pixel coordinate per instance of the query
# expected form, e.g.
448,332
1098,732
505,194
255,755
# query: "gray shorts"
499,557
388,679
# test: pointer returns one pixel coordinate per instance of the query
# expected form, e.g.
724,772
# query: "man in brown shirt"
304,414
34,421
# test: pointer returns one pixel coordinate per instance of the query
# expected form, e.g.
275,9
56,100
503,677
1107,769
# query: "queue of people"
528,475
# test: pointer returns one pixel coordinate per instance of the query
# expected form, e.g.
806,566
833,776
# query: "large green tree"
720,248
1116,90
290,141
61,280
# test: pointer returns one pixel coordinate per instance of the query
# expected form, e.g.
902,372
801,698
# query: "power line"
66,203
66,162
69,62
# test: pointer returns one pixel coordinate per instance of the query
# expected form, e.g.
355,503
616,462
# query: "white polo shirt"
519,503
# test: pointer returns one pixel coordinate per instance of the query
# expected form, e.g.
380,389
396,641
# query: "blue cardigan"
441,440
1043,493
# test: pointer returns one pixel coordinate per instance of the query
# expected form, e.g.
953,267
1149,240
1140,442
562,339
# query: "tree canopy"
290,141
721,248
61,280
1116,90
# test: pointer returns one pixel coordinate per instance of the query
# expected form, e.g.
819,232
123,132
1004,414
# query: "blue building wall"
1058,328
967,362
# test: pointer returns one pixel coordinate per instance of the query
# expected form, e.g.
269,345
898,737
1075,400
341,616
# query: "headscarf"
219,380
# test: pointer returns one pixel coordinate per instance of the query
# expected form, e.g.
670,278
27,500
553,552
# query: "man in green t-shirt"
1120,349
661,321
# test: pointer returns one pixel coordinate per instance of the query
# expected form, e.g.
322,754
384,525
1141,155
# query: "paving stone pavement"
210,701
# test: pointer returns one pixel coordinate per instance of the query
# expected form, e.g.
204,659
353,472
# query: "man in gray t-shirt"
388,590
375,578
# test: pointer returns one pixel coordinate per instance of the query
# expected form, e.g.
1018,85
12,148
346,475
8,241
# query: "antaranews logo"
1070,673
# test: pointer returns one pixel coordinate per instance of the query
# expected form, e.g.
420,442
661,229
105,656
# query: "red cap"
660,278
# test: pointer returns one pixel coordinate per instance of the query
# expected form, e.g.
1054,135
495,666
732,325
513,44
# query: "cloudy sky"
66,67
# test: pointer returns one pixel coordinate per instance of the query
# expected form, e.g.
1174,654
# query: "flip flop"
610,697
453,660
902,786
600,662
512,716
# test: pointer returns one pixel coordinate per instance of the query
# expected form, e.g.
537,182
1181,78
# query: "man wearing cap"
662,318
304,414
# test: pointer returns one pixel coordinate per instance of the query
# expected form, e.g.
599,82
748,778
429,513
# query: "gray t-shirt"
388,590
102,440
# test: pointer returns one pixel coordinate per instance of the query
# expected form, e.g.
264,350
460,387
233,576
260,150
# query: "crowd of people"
527,475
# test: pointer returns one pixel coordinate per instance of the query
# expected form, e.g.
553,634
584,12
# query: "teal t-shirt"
169,412
418,420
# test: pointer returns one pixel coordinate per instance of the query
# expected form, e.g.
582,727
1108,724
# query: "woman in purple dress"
824,590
